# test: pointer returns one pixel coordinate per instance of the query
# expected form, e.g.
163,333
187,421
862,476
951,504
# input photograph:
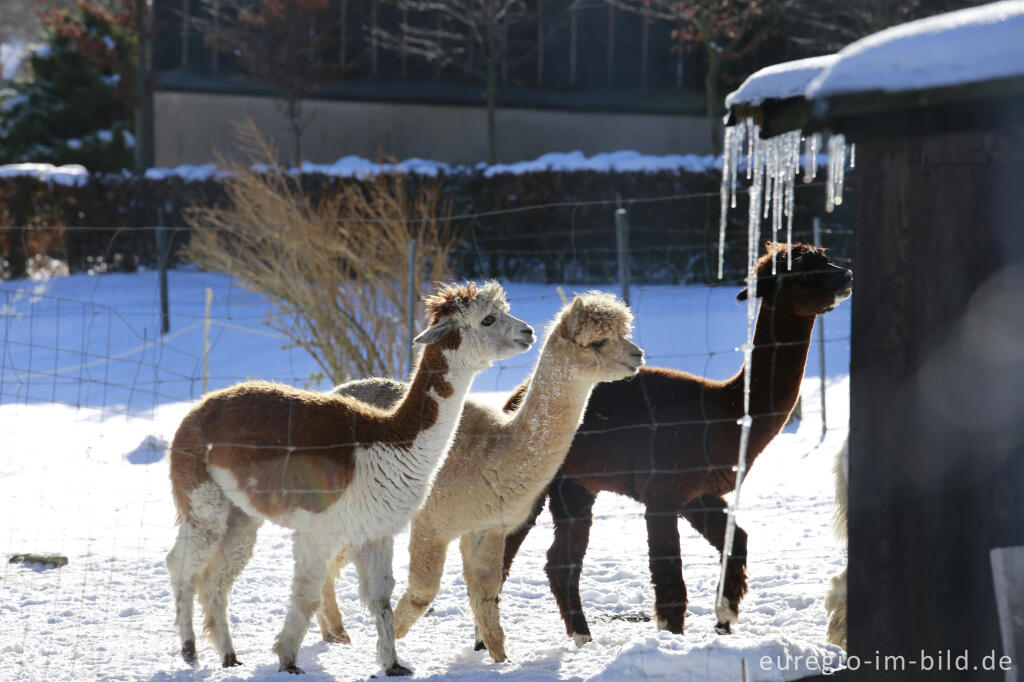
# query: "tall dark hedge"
552,226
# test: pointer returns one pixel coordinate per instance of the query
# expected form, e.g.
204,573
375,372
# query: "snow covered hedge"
521,224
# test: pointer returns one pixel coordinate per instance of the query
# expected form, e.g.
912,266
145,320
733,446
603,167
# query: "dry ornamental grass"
336,267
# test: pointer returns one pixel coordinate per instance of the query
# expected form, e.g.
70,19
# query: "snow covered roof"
967,46
779,81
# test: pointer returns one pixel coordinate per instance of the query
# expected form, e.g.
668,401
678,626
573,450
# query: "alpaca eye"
598,345
487,321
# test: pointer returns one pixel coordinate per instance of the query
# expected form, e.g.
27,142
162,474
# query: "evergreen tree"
76,107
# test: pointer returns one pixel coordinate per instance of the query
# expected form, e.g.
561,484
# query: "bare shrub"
335,267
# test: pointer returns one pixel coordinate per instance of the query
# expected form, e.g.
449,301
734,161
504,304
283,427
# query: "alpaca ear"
764,286
436,331
572,317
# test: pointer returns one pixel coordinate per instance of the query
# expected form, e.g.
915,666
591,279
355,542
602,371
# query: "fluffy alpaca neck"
433,404
781,340
546,420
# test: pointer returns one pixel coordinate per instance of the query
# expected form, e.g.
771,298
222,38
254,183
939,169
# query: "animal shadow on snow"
150,451
209,668
468,665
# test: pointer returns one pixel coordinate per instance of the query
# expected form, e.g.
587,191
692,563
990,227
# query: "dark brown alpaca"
670,440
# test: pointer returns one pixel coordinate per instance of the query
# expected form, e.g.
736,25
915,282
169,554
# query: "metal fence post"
410,312
206,340
161,261
622,240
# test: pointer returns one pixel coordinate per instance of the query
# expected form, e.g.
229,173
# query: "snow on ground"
89,396
967,46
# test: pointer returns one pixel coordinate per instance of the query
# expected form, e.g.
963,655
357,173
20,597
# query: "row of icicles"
771,168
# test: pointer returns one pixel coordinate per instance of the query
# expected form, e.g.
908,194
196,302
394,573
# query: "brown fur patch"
293,449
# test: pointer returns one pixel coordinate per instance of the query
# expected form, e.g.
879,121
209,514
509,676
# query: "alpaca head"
592,332
474,321
814,286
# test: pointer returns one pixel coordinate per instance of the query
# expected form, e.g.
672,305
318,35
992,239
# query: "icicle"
815,145
753,237
730,164
730,132
779,162
752,135
734,156
853,154
794,155
836,167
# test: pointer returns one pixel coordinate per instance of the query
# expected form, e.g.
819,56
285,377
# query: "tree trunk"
293,104
17,258
295,120
144,105
492,87
540,42
714,99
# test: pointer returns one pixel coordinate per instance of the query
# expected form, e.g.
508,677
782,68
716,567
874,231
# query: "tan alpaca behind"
500,463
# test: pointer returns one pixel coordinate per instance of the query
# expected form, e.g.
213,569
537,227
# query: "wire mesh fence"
92,393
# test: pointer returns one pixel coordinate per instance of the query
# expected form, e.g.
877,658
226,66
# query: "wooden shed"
936,481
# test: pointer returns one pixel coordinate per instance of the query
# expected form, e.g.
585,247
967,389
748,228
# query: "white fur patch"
725,614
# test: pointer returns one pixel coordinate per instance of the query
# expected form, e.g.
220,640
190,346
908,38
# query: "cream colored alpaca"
835,600
501,463
339,472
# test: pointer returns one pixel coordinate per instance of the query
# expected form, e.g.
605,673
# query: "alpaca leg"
666,569
706,515
514,540
835,604
194,548
427,553
572,513
376,582
328,615
482,556
215,584
311,553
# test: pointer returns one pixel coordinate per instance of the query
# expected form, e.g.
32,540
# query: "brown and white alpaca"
670,440
335,470
499,464
835,600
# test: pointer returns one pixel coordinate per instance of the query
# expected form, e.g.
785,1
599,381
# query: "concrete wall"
193,127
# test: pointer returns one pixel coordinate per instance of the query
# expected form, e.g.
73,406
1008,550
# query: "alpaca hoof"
723,628
230,660
339,638
479,646
188,652
580,640
291,669
397,670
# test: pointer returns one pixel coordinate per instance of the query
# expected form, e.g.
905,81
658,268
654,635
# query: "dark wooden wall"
937,395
